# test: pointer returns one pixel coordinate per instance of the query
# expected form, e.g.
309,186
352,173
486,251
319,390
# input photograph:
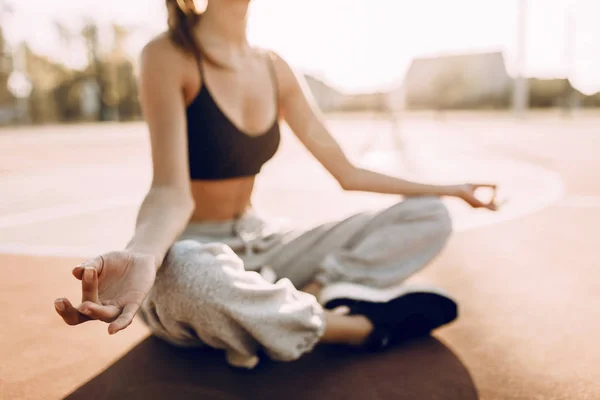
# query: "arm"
305,120
168,205
115,284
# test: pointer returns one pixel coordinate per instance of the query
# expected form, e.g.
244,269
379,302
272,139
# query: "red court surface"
527,278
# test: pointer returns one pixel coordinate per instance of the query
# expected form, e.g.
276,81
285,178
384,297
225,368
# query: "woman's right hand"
114,286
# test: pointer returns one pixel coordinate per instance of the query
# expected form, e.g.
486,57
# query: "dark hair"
183,18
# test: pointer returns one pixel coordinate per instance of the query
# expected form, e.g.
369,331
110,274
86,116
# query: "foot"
397,314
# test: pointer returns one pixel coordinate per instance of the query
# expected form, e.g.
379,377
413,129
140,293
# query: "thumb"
97,263
475,202
125,319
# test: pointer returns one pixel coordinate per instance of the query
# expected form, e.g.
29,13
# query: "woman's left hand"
467,192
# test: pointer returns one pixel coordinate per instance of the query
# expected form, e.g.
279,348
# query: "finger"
492,207
100,312
498,204
501,203
485,185
69,314
89,286
78,272
124,319
489,200
475,202
97,263
494,193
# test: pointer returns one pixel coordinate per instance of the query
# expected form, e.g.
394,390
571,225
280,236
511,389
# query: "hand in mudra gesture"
468,193
113,287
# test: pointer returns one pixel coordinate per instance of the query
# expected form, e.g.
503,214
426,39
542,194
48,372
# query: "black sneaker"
398,314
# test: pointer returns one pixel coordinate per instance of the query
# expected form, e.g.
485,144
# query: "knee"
187,254
195,270
191,286
434,210
180,253
440,215
185,250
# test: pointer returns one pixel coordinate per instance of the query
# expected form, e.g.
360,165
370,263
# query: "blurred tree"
120,36
105,89
6,98
128,106
65,35
113,73
5,70
547,93
90,34
46,75
592,100
122,83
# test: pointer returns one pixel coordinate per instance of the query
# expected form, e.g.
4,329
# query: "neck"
224,22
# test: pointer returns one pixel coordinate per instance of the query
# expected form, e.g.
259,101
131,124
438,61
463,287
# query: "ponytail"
183,18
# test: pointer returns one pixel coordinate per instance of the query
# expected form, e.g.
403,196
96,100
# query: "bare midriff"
221,200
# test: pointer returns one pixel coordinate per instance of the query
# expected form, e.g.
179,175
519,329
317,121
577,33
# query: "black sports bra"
217,149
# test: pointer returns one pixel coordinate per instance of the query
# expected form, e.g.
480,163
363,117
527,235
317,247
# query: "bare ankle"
352,330
313,288
364,327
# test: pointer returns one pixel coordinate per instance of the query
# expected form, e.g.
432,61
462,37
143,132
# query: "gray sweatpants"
208,291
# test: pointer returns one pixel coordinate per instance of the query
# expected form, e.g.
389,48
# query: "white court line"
550,181
555,190
581,202
20,249
64,211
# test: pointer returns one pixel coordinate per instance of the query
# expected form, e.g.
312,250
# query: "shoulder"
158,47
280,65
288,78
160,52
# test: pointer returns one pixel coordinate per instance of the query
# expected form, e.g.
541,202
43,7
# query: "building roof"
426,67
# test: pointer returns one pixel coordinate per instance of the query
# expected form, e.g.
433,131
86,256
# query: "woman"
194,267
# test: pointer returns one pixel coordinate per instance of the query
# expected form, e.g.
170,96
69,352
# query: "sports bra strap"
273,76
198,57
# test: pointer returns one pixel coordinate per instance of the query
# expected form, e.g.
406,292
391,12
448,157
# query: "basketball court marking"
581,202
63,211
551,192
26,249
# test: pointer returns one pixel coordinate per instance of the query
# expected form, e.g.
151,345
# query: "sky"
355,45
